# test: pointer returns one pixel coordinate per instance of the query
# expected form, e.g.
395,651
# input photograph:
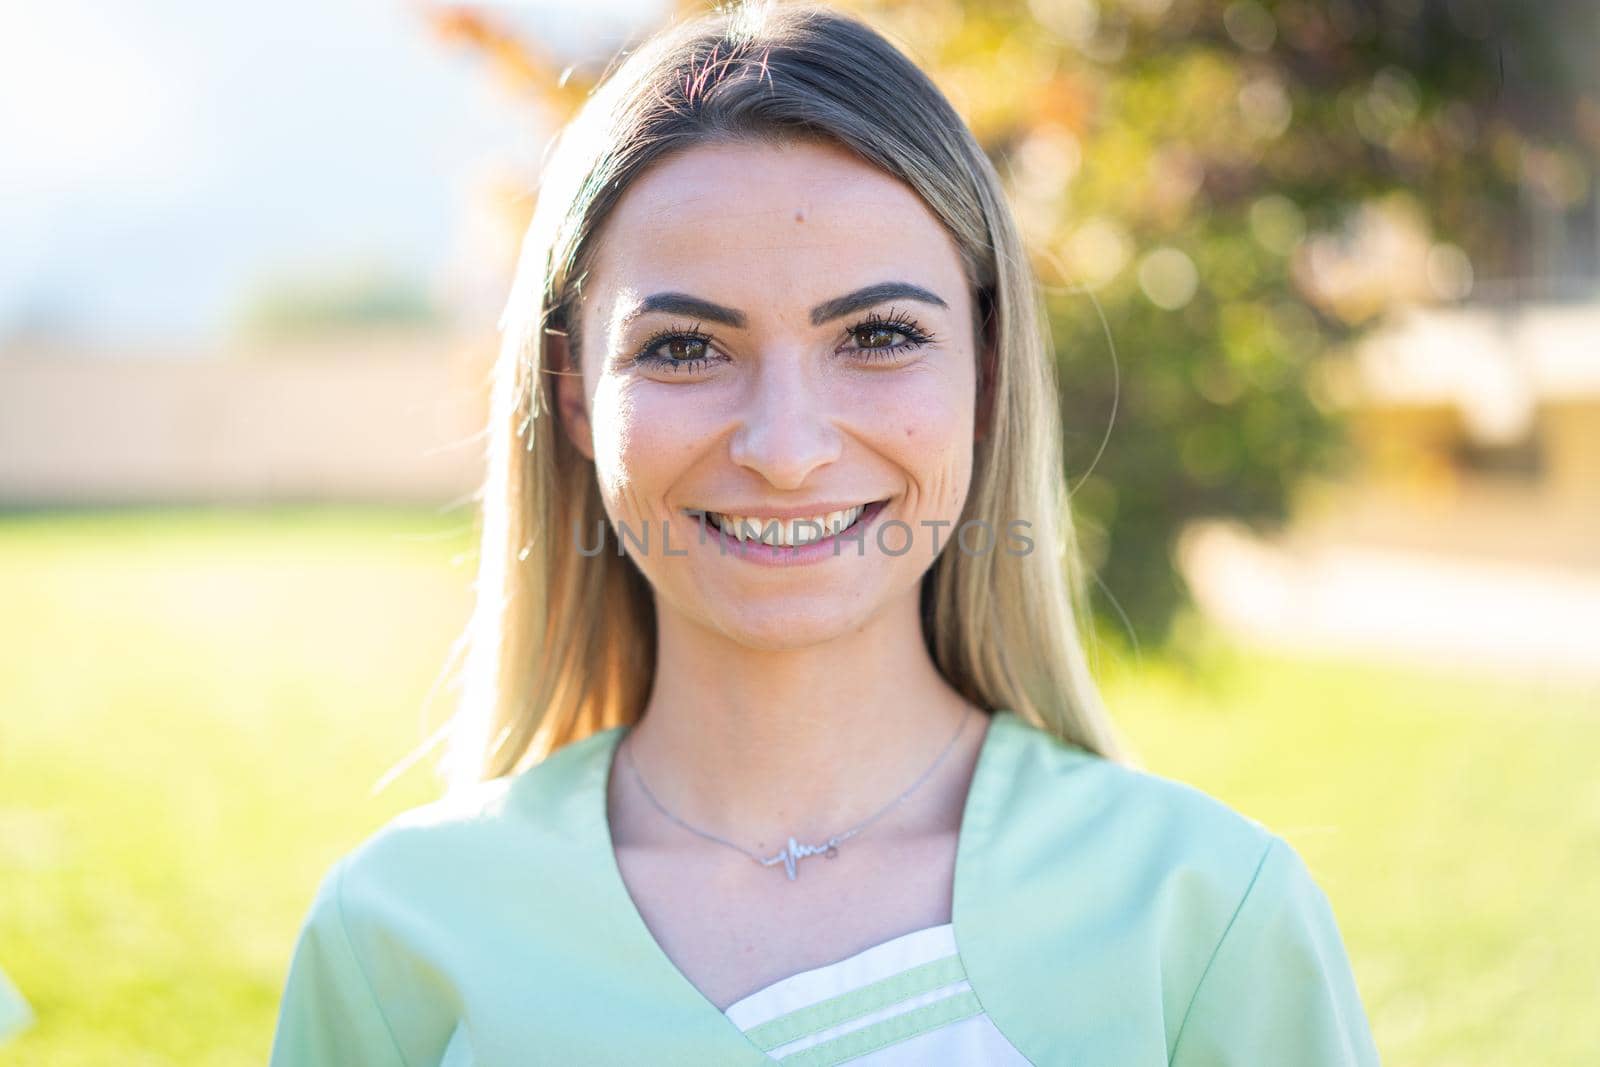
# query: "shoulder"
405,925
1149,885
369,980
1163,852
1075,795
452,823
500,837
1174,908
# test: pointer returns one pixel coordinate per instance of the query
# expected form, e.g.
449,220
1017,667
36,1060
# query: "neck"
756,745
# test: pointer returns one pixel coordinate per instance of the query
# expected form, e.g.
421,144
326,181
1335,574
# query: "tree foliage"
1219,196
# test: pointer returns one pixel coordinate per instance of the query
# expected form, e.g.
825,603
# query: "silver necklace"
792,852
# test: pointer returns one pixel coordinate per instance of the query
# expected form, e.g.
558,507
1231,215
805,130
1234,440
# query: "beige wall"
1411,493
365,417
1572,448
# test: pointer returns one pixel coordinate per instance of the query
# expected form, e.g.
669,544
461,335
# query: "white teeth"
791,533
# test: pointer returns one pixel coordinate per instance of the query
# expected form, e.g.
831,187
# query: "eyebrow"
868,296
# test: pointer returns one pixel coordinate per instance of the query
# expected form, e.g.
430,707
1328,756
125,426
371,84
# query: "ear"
572,405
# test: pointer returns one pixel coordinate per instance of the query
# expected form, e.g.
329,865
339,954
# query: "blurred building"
1469,530
390,415
1479,429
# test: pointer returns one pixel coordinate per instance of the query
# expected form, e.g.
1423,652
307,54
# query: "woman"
777,742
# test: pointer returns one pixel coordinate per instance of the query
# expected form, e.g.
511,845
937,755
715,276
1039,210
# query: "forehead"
769,228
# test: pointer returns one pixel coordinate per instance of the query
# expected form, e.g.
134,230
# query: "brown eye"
876,336
885,337
677,349
685,348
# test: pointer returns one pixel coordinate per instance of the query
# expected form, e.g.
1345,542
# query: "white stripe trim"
890,1012
882,960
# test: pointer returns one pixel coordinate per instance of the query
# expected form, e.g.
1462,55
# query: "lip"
824,548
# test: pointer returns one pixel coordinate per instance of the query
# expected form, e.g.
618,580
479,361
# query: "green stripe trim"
887,1032
803,1022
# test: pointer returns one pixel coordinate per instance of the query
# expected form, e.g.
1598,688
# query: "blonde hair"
561,644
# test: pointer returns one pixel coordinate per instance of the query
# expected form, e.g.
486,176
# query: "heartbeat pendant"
795,851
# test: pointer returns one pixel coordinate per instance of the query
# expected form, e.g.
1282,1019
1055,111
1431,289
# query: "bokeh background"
1325,283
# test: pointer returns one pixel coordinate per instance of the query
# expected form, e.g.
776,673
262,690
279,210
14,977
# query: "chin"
784,625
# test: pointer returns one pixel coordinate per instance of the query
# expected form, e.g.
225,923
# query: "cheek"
923,422
643,443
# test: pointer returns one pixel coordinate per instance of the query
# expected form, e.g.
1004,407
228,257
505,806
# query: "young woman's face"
779,334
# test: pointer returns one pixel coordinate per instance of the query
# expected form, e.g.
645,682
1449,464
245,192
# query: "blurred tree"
1219,195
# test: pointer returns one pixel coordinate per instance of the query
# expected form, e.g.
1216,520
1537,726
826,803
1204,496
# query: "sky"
161,161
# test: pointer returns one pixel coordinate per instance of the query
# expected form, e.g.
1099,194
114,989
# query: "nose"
786,428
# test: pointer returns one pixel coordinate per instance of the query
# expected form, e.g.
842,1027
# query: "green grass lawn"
194,707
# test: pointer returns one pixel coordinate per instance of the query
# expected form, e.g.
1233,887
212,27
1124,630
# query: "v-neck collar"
631,939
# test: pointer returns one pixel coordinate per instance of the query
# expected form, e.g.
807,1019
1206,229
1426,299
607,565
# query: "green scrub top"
15,1015
1104,916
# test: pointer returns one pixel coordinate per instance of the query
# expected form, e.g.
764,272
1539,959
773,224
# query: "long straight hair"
561,643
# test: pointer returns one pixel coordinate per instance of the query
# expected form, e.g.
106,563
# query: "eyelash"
894,321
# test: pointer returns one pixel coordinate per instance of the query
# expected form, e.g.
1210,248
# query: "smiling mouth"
788,532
